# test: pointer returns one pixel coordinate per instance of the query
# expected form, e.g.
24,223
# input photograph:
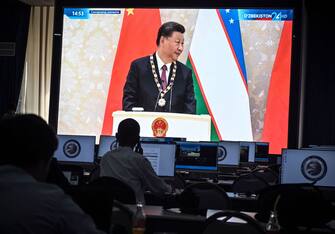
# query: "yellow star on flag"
130,11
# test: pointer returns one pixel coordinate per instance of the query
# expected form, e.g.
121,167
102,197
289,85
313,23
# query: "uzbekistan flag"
220,84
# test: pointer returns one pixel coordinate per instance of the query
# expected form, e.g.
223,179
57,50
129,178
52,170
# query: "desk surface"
158,211
172,220
160,220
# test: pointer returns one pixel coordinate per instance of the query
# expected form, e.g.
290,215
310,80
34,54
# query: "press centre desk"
238,201
160,220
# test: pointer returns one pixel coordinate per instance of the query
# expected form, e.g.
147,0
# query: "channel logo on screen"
71,148
314,168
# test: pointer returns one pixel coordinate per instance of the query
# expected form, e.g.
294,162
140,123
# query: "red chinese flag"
137,39
276,115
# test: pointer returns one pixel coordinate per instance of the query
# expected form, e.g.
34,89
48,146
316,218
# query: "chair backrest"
249,184
222,222
197,198
95,173
121,191
266,174
298,205
96,201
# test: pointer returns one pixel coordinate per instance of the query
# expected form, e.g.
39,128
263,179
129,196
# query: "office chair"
298,205
95,173
96,201
267,174
219,223
198,197
120,190
249,184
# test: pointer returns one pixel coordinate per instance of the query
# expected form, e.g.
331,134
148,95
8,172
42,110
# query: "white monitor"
308,166
106,143
247,151
228,153
161,156
74,148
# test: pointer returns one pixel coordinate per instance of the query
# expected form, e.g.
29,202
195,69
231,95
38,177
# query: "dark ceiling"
39,2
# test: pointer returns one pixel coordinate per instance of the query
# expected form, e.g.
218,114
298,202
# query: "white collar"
160,63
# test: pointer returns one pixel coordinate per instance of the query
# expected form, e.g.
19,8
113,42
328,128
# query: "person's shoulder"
108,154
50,189
141,60
182,66
137,155
43,193
139,158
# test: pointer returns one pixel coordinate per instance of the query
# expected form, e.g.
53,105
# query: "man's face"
172,46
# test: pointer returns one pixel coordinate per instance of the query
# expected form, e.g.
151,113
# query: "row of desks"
160,220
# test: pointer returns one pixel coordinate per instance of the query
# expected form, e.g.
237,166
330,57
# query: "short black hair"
167,29
26,139
128,132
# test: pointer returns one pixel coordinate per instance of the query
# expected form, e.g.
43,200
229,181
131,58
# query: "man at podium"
159,82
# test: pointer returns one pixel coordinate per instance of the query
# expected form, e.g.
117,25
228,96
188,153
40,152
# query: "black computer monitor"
322,147
106,143
262,152
308,166
247,151
75,149
197,156
161,156
162,139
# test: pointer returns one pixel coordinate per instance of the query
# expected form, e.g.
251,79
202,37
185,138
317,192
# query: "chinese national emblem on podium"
159,127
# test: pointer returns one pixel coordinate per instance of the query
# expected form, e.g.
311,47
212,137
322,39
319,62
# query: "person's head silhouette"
28,142
128,133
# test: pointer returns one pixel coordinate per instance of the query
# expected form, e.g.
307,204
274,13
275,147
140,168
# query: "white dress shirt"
160,64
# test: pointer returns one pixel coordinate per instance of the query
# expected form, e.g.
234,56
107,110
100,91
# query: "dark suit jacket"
140,89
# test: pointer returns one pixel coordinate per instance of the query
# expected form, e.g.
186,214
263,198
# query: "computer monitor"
228,153
106,143
262,152
161,156
247,151
162,139
308,166
322,147
197,156
74,148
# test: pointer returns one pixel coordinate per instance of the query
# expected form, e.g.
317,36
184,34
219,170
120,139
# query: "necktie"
163,77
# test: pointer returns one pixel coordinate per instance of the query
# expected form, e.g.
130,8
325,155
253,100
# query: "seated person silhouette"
28,205
127,163
56,176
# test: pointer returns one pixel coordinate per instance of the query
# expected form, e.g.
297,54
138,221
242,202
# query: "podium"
191,127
